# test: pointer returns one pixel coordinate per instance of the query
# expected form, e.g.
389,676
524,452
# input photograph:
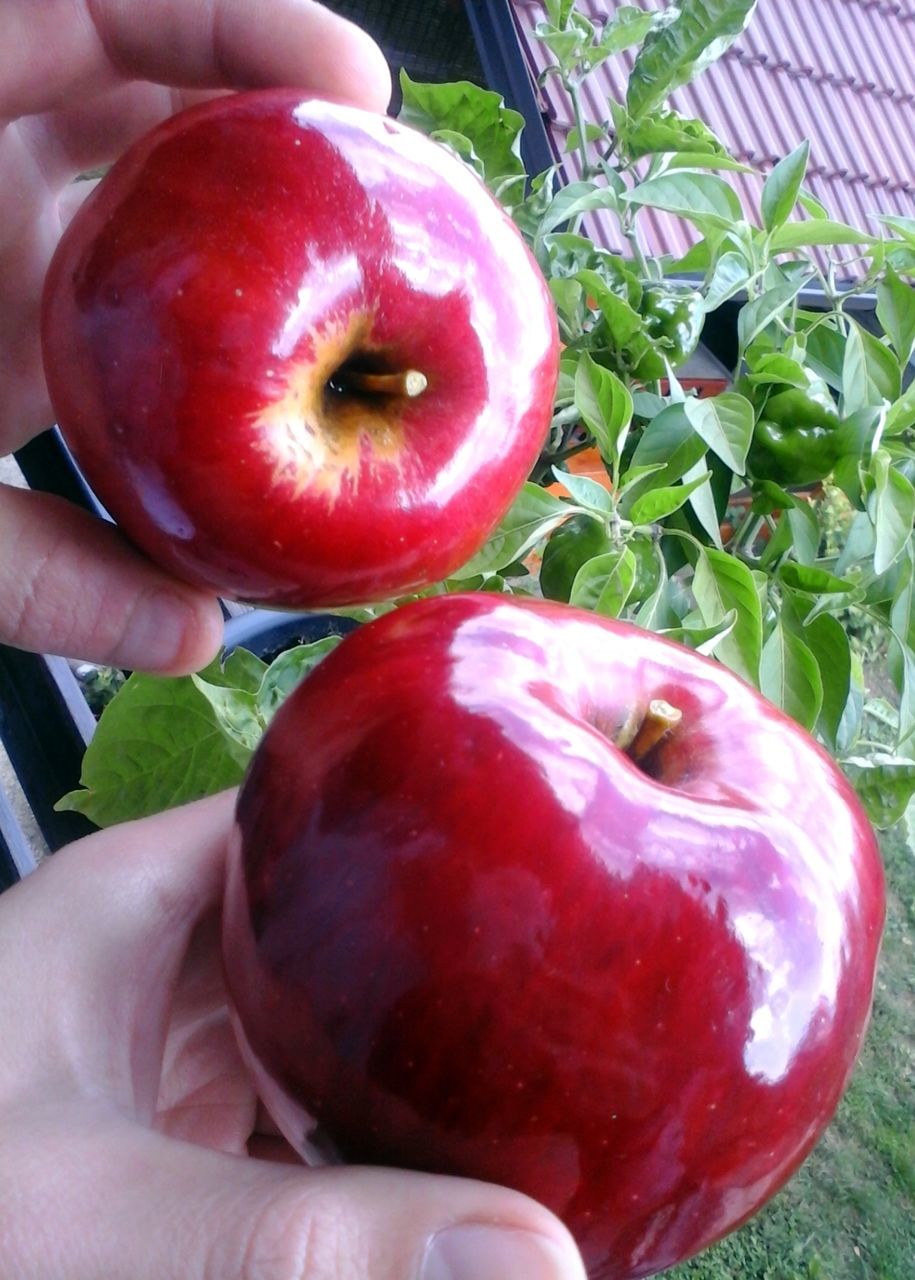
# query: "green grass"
849,1212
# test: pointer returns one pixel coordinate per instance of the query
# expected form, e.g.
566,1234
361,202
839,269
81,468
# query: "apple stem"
409,383
638,737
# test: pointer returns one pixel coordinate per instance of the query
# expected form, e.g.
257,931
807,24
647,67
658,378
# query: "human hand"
79,81
128,1127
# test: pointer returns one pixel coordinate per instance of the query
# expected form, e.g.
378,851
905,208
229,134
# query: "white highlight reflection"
328,282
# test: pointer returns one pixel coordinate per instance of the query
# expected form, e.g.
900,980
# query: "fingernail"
495,1253
156,632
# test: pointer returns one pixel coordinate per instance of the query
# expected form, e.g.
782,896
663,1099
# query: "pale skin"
131,1143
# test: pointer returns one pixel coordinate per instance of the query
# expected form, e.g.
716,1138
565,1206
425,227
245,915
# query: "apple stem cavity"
409,382
637,737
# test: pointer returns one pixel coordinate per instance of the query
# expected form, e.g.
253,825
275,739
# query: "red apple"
301,354
529,895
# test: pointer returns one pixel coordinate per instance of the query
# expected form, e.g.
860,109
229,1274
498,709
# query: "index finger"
62,48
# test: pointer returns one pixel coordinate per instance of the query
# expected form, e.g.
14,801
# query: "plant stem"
573,88
630,231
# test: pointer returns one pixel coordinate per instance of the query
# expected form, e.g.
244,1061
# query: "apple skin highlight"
466,932
212,315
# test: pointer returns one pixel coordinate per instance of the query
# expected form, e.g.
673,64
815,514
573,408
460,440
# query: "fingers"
173,1210
94,130
61,48
115,919
205,1095
70,584
110,919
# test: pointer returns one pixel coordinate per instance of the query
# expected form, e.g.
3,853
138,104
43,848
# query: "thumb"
177,1212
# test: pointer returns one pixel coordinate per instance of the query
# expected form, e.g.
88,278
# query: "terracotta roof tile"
839,72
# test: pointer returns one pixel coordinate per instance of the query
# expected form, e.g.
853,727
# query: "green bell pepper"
798,438
673,315
573,544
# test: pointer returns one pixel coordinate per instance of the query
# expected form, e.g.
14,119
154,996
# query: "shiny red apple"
529,895
301,354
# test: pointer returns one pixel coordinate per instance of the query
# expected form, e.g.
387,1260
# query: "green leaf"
901,258
661,132
906,697
702,638
702,501
810,578
861,432
629,25
581,23
585,492
853,714
635,474
782,187
699,197
725,423
653,612
699,160
593,133
565,46
778,369
809,203
695,34
645,404
884,784
825,347
893,510
870,372
896,312
605,405
722,583
623,321
902,610
697,259
860,544
816,231
597,271
558,11
241,670
567,295
778,545
797,530
789,676
730,276
904,227
235,711
463,149
668,440
901,414
574,200
289,670
158,744
531,517
243,713
759,314
827,640
657,504
528,213
480,115
605,583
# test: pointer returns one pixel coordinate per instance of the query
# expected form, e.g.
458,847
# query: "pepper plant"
711,525
764,525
